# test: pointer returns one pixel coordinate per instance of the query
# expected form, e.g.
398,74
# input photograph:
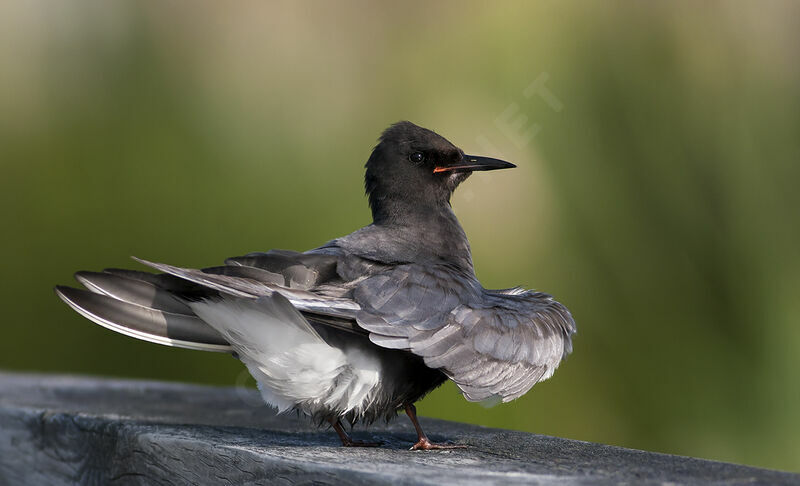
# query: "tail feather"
143,322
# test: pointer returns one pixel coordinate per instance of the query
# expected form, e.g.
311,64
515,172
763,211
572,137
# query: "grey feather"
253,273
142,322
246,287
488,342
133,291
299,270
163,281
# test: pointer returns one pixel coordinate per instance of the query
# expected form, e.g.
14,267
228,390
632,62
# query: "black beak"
471,163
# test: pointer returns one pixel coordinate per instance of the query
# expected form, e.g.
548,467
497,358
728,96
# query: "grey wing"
492,344
291,274
156,307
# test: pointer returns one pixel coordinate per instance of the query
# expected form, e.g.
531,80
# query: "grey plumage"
143,322
366,324
490,344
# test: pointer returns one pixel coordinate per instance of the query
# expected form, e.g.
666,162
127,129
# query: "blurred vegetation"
657,197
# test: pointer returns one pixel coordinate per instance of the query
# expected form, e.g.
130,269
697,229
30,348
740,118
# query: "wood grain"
58,430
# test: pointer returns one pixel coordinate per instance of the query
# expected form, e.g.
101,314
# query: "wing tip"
142,261
72,296
63,292
84,277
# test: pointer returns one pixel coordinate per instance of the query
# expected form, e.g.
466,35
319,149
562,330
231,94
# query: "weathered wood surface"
67,430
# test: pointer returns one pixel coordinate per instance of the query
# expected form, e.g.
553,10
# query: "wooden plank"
77,430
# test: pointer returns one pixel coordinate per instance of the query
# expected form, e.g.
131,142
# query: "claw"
426,445
346,440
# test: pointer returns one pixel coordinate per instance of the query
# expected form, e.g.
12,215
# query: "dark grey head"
413,171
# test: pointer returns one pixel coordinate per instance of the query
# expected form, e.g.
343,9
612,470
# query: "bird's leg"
423,442
346,440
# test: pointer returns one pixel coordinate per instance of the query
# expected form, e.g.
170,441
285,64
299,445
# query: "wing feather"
490,343
239,286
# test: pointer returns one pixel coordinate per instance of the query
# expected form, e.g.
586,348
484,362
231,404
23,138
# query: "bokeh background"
656,195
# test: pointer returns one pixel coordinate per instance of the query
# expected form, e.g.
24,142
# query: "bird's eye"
416,157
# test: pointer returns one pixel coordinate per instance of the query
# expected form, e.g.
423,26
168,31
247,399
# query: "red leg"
346,440
423,442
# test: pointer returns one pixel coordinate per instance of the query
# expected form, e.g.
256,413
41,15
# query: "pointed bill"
473,163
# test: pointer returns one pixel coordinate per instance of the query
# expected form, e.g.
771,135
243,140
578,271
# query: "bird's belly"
404,379
353,379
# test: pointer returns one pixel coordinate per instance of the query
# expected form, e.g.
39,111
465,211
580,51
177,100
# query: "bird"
364,326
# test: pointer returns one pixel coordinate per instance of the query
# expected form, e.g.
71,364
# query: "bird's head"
413,169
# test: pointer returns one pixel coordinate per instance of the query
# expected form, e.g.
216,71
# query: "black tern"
365,325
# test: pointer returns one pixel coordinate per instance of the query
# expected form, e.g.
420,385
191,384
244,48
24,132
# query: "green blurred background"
656,193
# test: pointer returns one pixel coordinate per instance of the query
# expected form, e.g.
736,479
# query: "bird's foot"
426,445
345,437
360,443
